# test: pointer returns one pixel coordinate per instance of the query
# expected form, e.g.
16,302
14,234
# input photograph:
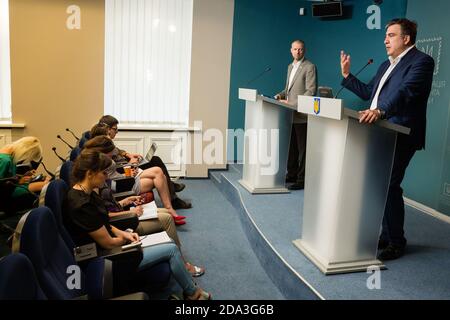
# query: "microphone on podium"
259,75
60,158
365,66
59,137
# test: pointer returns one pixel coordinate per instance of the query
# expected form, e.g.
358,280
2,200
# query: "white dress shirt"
394,63
295,67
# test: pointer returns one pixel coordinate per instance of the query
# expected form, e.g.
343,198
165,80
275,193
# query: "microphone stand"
258,76
49,173
60,158
59,137
342,88
67,129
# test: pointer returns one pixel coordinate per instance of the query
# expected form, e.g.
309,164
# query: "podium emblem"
316,105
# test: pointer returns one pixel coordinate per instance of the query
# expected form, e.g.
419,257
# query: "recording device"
67,129
259,76
59,137
365,66
325,92
85,252
60,158
23,170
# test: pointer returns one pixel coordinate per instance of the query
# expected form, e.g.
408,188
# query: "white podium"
348,169
268,124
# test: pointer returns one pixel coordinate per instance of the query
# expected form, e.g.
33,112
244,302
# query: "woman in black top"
145,181
86,219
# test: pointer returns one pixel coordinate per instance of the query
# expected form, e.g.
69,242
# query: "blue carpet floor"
423,273
213,237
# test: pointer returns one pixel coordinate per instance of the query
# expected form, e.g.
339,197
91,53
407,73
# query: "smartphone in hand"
38,178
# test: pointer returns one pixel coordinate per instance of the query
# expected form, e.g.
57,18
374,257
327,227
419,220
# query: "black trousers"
297,153
157,162
394,212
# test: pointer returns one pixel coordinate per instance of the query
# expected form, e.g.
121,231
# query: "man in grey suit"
301,80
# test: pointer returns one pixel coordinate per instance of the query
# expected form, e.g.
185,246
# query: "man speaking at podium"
399,93
301,80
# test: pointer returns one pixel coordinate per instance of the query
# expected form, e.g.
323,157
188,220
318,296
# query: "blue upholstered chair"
154,278
84,137
42,243
54,195
74,153
18,279
66,172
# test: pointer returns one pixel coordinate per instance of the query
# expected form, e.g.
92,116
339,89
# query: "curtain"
147,61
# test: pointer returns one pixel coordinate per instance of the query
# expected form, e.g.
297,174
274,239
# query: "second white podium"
268,124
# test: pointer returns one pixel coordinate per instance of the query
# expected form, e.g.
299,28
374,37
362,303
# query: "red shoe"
179,222
178,218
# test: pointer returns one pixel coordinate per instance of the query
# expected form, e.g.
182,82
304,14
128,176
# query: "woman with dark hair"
122,156
86,219
98,130
164,222
145,181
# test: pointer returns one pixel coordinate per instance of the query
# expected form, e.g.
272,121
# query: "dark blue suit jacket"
405,94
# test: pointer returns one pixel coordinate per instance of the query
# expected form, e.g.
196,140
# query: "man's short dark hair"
409,28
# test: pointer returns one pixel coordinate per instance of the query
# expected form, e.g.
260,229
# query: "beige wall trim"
427,210
12,125
157,129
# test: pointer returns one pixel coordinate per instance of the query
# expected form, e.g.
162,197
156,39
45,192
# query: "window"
148,61
5,67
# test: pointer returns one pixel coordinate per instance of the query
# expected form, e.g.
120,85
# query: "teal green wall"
428,177
264,29
263,32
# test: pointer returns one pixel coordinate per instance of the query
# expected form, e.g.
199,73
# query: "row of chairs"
46,250
44,266
43,239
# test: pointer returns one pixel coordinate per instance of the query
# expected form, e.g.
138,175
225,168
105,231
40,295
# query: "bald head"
298,50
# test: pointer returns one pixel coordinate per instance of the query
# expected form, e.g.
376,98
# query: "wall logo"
433,47
317,105
447,189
